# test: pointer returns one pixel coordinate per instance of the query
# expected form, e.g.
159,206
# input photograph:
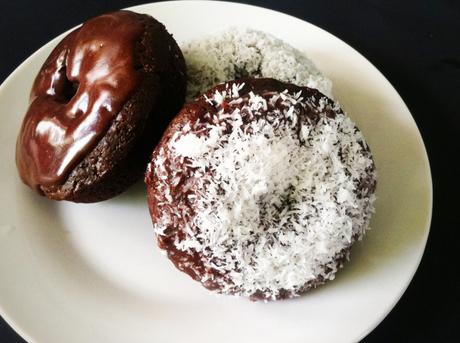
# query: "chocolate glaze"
79,90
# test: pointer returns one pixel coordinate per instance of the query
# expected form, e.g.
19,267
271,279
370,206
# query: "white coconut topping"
278,197
236,53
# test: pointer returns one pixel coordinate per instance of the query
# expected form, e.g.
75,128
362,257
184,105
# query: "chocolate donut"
98,106
259,188
237,52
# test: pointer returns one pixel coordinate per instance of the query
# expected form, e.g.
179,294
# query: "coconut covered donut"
259,188
237,53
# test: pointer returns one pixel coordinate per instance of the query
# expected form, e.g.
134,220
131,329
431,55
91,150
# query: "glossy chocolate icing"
78,92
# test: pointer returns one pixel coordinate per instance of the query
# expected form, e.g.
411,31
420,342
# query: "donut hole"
69,89
64,88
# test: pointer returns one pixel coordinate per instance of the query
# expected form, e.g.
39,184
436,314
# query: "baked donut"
98,106
236,53
259,188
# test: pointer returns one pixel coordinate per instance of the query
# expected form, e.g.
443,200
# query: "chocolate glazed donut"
98,107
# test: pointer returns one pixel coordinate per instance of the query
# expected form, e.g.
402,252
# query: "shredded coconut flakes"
277,199
238,53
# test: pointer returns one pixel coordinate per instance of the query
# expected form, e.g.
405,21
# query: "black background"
416,44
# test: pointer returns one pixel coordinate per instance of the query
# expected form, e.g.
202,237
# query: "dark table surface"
416,45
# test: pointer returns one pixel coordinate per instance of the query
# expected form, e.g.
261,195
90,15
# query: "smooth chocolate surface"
77,93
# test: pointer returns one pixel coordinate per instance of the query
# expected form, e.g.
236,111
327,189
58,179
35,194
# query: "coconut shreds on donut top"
274,198
237,52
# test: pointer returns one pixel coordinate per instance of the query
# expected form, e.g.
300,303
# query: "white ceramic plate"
92,273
